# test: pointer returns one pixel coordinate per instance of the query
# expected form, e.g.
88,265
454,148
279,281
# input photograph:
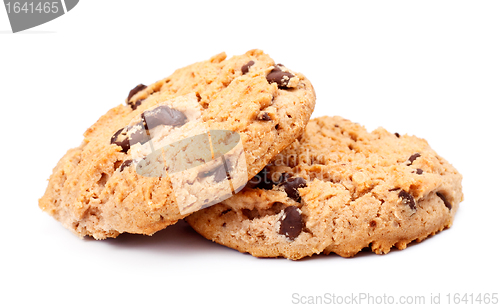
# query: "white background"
425,68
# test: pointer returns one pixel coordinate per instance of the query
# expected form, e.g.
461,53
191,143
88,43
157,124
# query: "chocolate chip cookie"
339,189
178,145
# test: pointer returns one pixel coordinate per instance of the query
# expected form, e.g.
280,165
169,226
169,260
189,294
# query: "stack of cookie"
227,145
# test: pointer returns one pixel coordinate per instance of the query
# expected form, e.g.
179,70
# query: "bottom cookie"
338,189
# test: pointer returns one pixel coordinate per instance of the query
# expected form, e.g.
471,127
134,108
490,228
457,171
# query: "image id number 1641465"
472,298
30,8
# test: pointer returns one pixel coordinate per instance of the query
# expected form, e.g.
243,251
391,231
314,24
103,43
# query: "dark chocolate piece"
264,116
125,164
407,199
136,104
121,139
280,77
413,157
139,135
163,115
135,90
218,172
291,223
292,185
245,68
262,180
446,202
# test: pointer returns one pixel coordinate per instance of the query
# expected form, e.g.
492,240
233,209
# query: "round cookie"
110,183
339,189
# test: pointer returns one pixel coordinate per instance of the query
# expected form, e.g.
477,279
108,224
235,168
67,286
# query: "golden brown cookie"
339,189
116,182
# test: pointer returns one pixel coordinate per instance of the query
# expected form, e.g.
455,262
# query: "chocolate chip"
262,181
280,77
250,214
128,136
121,139
284,177
446,202
225,212
137,134
291,186
163,115
407,199
265,180
419,171
397,135
413,157
125,164
245,68
135,90
291,223
218,172
136,104
264,116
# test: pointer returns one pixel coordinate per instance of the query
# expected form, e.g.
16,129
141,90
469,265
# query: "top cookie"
338,188
204,126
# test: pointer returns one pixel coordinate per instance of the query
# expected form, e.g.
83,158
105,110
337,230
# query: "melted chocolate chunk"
292,185
163,115
121,139
413,157
446,202
291,223
419,171
280,77
262,180
397,135
125,164
407,199
245,68
135,90
264,116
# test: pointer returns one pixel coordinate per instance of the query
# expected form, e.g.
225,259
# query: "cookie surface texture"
338,189
195,120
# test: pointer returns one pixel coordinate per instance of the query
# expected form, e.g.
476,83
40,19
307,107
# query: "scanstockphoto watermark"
357,299
273,173
484,298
